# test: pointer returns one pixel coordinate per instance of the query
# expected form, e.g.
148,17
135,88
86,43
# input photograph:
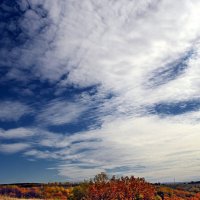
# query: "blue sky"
96,86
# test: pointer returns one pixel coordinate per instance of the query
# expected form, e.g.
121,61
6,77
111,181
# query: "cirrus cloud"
129,68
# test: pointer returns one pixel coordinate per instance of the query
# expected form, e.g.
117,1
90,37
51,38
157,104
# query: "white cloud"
164,148
117,45
13,110
40,154
14,147
16,133
61,112
150,147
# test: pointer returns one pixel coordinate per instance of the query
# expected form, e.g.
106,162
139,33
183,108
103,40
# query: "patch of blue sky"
169,72
80,164
88,140
24,121
85,150
10,14
34,89
124,169
175,108
90,118
86,123
37,94
15,165
16,35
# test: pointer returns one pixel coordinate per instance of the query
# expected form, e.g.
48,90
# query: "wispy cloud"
160,147
13,147
16,133
61,112
13,110
130,143
132,65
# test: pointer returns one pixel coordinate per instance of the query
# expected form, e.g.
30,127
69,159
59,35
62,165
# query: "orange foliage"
124,188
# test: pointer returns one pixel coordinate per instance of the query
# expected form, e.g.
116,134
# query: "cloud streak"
16,133
13,148
61,112
13,110
127,69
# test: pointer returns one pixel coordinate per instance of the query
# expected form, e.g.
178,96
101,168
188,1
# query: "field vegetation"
102,188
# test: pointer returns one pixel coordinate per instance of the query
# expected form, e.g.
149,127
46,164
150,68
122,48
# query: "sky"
99,86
